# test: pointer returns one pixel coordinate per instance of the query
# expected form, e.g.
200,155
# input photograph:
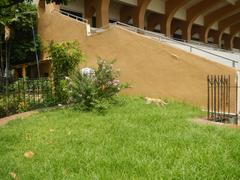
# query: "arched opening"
129,20
154,22
178,34
157,28
222,43
236,43
177,29
74,8
91,16
195,36
97,12
210,40
126,15
114,11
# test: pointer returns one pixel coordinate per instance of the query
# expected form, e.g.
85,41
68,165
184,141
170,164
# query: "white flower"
67,78
115,82
89,72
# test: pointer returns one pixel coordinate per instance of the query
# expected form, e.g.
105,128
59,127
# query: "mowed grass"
132,141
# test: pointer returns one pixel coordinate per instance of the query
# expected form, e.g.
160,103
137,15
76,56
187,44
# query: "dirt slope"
152,68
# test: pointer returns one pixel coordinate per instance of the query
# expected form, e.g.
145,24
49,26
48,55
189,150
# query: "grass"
132,141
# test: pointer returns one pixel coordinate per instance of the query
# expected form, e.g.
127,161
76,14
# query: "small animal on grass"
157,102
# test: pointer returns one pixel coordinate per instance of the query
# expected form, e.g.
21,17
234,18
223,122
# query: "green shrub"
22,106
8,105
84,91
107,80
65,58
97,90
2,111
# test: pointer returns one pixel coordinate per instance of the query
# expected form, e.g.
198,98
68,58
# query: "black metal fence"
222,99
19,95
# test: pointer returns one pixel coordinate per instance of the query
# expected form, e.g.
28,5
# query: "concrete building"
208,21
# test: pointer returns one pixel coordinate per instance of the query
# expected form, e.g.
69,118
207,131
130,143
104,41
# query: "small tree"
65,58
17,24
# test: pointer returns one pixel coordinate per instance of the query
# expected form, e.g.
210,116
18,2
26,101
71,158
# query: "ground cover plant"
132,141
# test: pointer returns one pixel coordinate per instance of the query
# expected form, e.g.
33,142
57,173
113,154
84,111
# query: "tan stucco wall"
152,68
54,26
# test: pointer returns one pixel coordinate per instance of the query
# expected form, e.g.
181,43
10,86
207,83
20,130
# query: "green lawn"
132,141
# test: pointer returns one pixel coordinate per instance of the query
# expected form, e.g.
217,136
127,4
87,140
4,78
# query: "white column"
88,29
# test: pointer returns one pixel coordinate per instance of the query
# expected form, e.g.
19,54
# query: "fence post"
238,94
233,63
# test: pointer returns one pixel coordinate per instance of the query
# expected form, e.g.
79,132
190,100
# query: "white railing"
162,37
71,15
77,18
213,47
209,45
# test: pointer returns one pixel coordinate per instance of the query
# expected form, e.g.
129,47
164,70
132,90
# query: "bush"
2,110
22,106
84,91
65,58
8,106
107,80
97,90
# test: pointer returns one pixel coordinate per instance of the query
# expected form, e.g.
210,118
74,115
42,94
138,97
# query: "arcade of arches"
190,20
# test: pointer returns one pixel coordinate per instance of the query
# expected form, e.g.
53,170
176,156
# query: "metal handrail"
212,46
162,36
71,15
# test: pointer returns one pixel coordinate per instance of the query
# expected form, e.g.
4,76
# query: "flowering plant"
91,91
